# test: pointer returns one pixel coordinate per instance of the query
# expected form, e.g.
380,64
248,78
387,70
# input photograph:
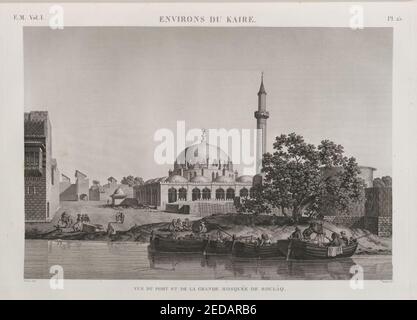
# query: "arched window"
251,192
196,194
182,194
220,194
244,193
172,195
206,194
230,194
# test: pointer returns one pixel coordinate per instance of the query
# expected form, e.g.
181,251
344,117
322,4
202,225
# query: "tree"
132,181
254,204
302,178
138,181
96,182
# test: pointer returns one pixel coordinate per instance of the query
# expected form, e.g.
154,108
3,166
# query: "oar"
289,249
224,231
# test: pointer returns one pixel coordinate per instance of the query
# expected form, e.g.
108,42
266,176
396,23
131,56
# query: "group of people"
65,221
263,240
178,225
337,239
83,218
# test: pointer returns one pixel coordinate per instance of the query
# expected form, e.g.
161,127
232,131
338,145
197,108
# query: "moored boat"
299,249
161,244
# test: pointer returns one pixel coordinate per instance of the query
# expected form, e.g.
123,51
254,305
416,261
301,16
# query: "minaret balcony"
261,114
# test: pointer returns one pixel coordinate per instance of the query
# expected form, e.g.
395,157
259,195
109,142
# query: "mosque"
203,178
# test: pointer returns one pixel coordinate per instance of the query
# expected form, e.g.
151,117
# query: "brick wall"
384,226
35,199
41,195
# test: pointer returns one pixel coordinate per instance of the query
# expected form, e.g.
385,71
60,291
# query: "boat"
216,247
162,244
243,249
299,249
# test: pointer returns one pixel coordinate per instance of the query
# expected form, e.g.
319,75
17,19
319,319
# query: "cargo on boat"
299,249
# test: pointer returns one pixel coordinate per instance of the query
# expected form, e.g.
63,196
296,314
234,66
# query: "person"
259,241
120,217
344,238
186,225
296,235
171,227
336,241
178,225
87,218
308,232
352,240
321,238
218,236
266,239
203,228
78,217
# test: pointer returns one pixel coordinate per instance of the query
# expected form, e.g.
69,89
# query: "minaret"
261,115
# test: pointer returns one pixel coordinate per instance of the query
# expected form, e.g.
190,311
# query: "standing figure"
296,235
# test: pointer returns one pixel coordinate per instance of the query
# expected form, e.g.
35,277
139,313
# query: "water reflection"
225,266
131,260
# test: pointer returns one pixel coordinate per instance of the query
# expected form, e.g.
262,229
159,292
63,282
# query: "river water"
130,260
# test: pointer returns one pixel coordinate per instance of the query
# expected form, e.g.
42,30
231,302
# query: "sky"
109,89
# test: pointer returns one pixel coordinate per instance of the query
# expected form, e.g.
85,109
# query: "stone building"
41,170
74,191
104,192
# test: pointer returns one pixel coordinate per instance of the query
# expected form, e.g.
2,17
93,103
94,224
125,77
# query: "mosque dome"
245,179
226,179
203,155
176,179
201,179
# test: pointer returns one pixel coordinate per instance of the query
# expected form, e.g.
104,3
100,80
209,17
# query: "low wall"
348,221
202,208
381,226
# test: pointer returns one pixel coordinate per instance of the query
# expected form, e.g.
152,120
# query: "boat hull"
297,249
219,248
177,245
251,250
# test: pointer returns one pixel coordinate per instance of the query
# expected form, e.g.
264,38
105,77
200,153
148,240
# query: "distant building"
74,191
99,193
41,170
96,192
118,196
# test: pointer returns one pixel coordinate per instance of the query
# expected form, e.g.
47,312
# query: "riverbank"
139,223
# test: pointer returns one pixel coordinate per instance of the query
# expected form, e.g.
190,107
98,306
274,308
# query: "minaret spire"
261,116
262,88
